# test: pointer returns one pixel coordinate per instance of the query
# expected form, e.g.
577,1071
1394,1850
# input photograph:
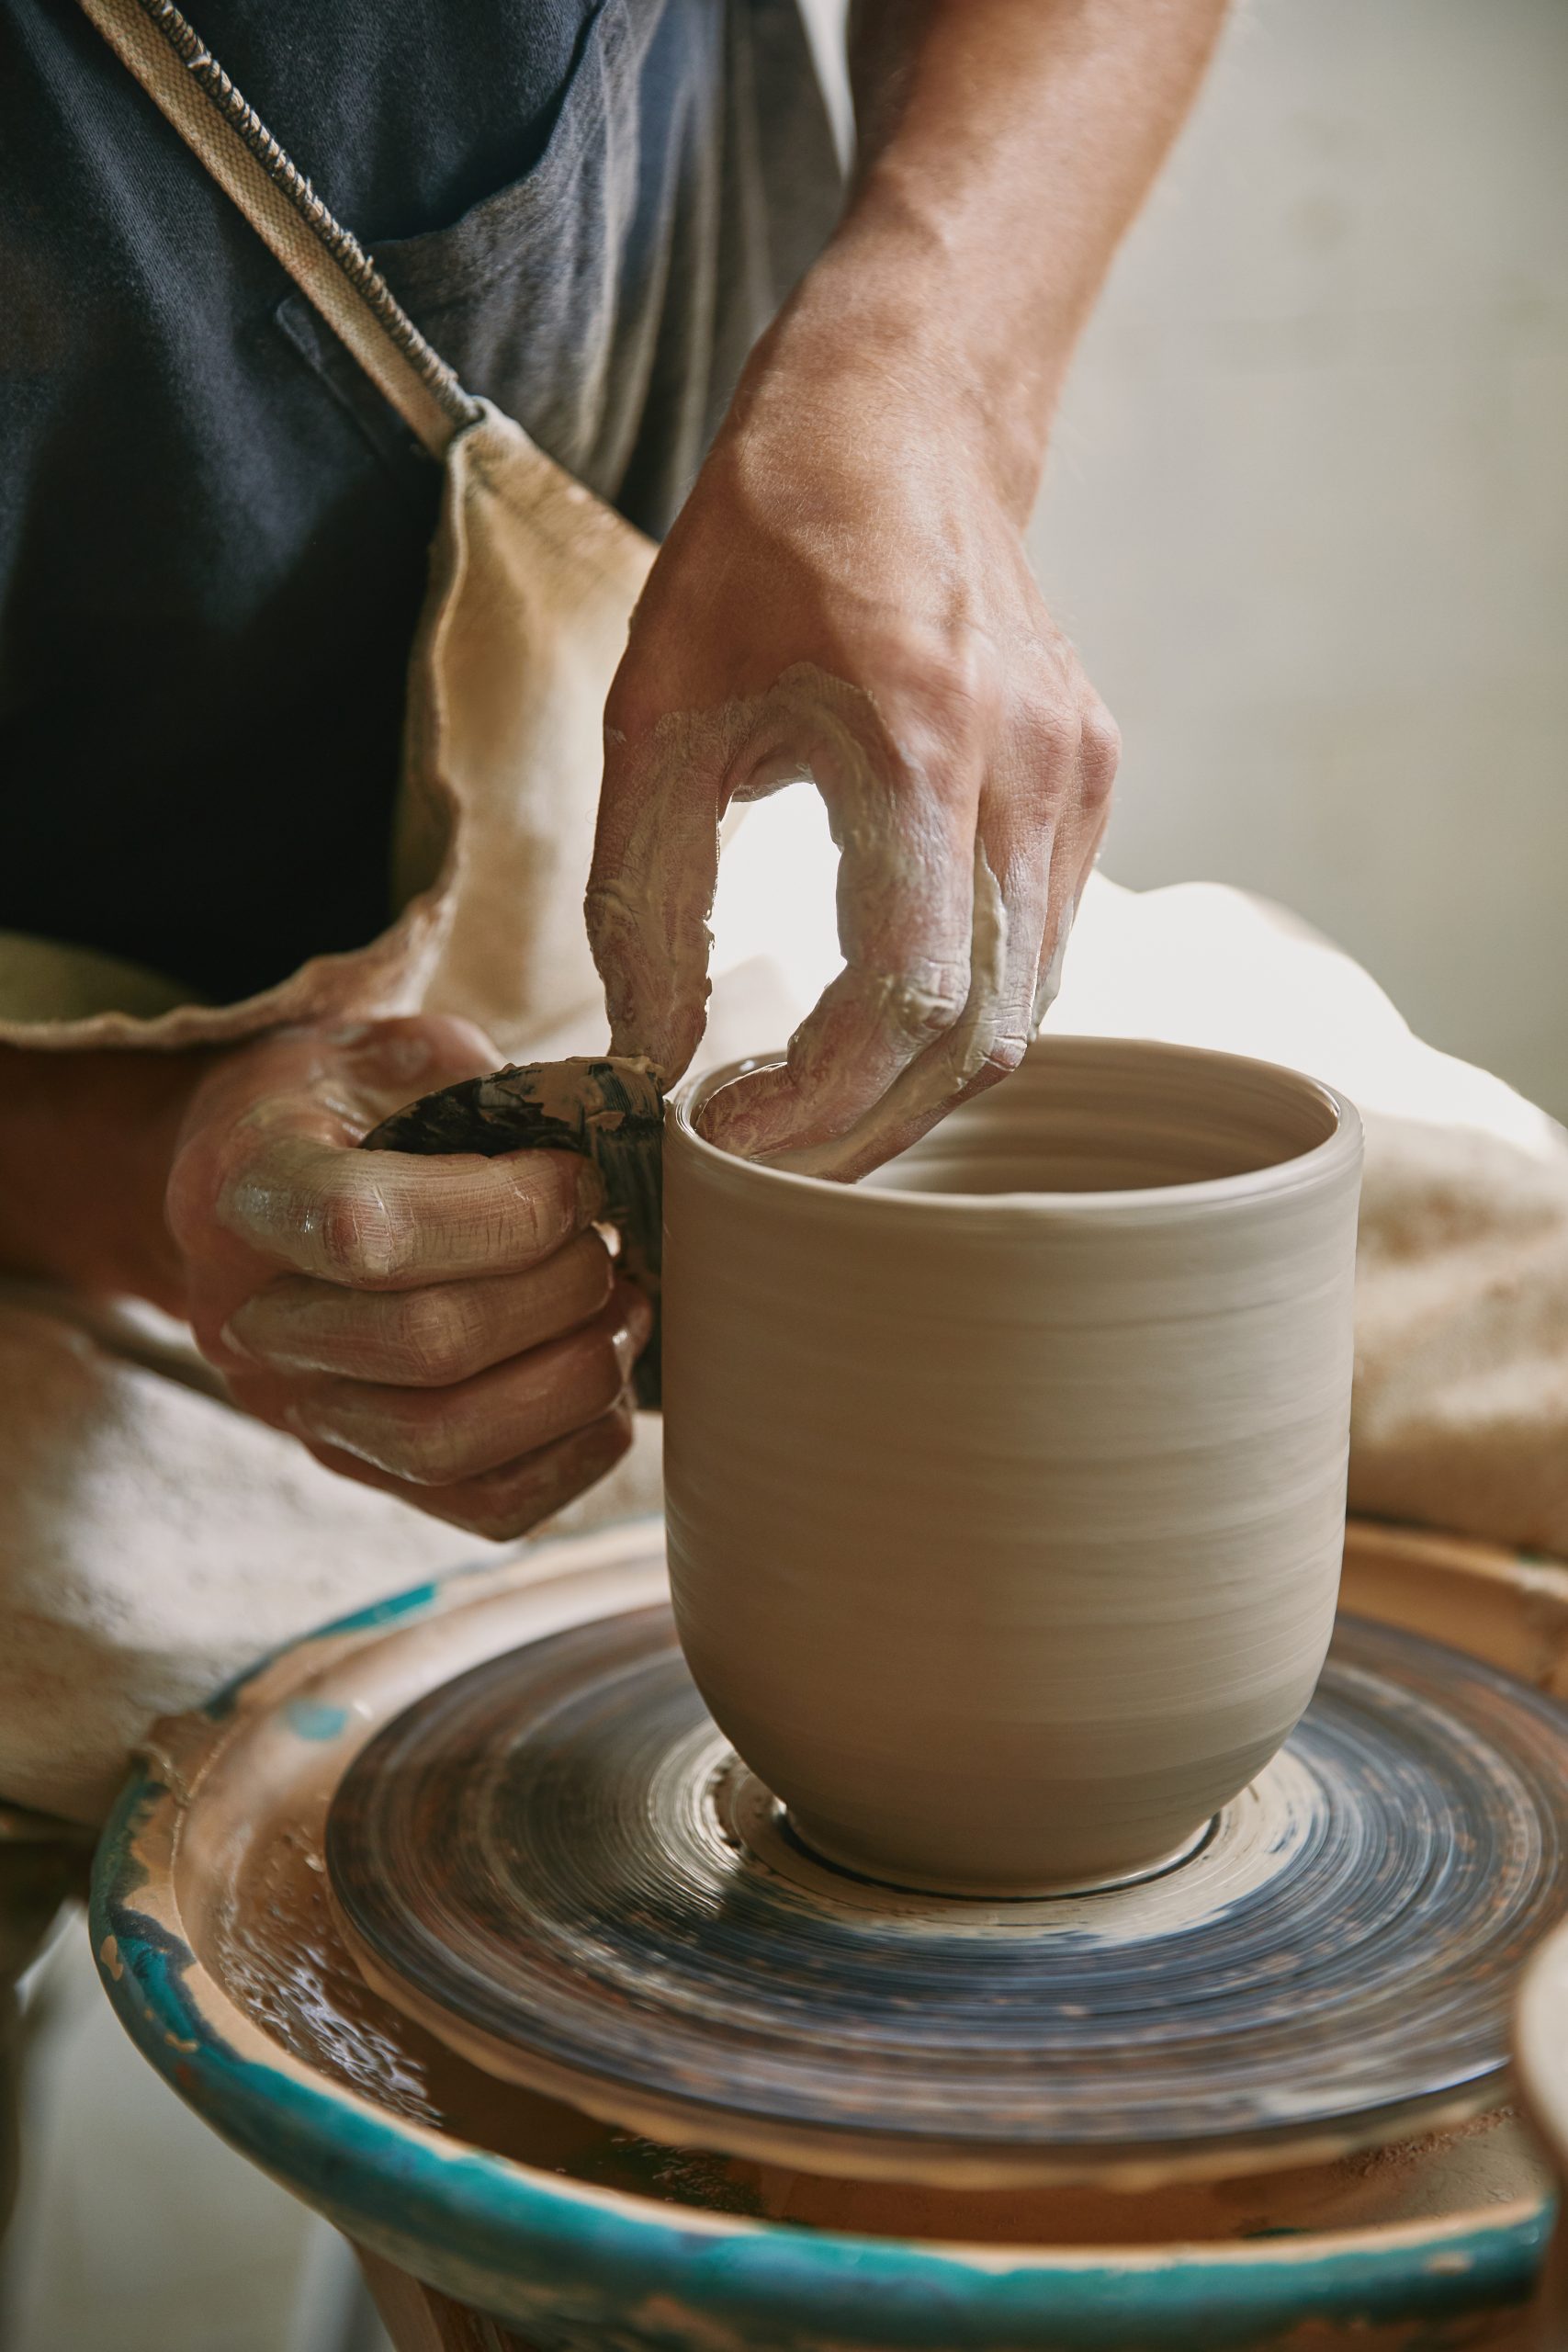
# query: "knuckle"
590,1272
539,1213
632,707
604,900
1099,753
594,1449
608,1378
431,1340
427,1049
591,1379
1054,726
359,1240
508,1502
429,1447
926,1000
959,674
1003,1056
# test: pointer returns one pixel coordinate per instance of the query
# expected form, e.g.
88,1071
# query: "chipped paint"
312,1719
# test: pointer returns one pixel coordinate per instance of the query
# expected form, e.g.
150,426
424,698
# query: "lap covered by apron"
158,1542
151,1539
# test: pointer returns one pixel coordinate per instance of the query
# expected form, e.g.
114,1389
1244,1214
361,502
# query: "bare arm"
86,1142
846,596
1004,146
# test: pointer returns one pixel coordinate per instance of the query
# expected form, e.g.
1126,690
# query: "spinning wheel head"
555,1862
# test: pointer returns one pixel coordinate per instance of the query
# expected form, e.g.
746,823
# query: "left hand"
450,1329
846,597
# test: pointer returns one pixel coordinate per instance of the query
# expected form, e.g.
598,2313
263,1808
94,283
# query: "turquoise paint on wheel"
571,2266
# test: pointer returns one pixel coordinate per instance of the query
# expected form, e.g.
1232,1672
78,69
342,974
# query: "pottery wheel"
555,1864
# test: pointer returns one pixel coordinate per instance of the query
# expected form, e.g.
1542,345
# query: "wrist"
898,317
86,1143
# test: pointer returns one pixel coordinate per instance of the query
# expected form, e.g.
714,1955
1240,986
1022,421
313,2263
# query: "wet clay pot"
1005,1489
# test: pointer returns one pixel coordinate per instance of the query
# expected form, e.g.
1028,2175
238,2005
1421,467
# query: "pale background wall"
1307,516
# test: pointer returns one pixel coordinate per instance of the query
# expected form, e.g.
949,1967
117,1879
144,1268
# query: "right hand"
451,1330
846,596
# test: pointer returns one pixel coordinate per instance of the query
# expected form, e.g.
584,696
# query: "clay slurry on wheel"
555,1863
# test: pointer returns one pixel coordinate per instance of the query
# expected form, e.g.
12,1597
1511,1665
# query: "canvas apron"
152,1540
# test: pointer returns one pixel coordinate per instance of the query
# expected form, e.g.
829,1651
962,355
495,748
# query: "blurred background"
1307,520
1307,517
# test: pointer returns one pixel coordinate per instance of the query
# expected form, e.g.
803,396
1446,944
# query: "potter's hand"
448,1330
846,597
845,594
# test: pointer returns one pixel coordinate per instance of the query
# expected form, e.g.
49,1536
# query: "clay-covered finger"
987,1041
507,1502
1040,830
907,910
654,874
438,1437
429,1338
389,1220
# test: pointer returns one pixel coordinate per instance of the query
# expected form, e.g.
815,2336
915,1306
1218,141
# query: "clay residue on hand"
934,1081
922,918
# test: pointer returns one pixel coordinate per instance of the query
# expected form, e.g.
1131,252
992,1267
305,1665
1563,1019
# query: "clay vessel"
1005,1489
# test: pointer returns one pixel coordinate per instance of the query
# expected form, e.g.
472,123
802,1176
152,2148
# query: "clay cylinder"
1005,1489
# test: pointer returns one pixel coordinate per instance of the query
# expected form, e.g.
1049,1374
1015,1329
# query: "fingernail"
728,1120
632,1334
626,1348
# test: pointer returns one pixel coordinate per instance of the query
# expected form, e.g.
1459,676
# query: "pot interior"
1089,1114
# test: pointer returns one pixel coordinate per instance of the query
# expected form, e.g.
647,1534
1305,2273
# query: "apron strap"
181,75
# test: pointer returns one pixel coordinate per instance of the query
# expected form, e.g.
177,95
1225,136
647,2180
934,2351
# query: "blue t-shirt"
213,531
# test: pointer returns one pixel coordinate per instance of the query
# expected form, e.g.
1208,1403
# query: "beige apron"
151,1539
532,581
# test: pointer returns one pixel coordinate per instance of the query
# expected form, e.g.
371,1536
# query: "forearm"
86,1142
1005,145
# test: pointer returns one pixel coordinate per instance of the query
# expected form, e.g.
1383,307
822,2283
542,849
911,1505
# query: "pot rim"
1339,1151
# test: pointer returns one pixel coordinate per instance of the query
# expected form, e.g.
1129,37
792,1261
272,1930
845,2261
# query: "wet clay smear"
278,1951
281,1954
